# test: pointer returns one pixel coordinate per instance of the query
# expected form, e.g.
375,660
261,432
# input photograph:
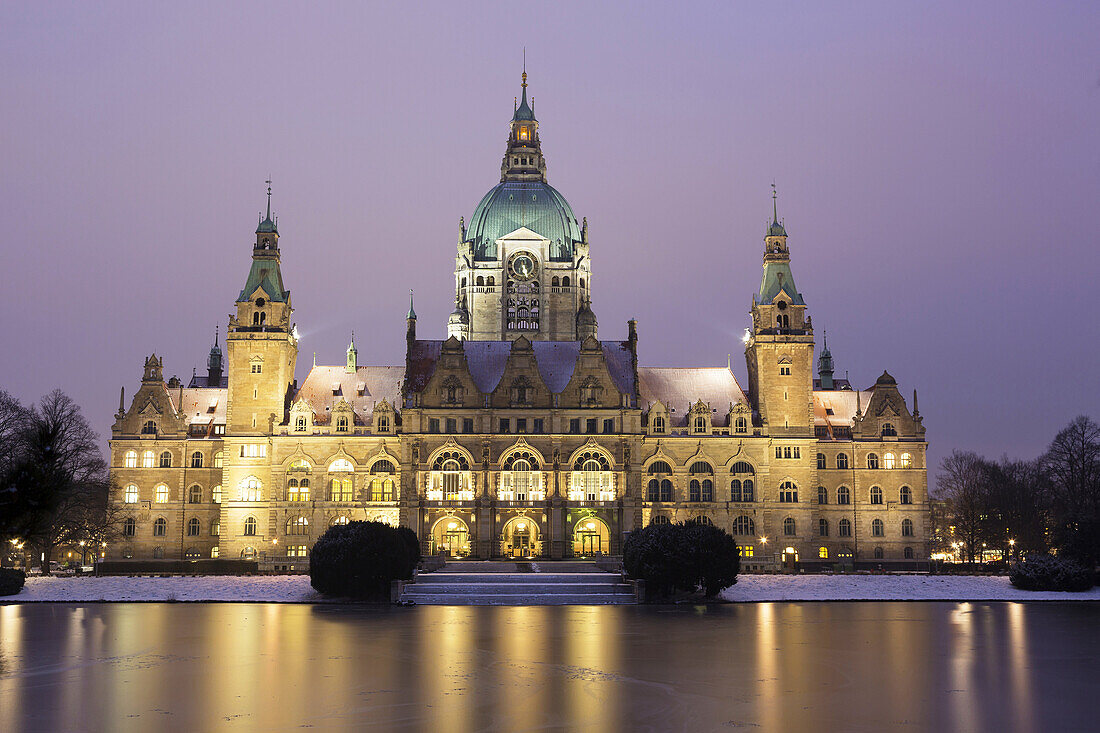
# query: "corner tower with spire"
780,348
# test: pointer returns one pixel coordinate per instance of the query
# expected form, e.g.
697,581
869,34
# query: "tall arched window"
878,528
841,460
131,494
130,459
821,460
823,527
788,492
659,424
147,459
907,528
889,461
879,554
342,424
822,495
872,460
740,425
250,489
876,494
449,479
250,527
906,460
160,494
129,527
653,490
905,495
908,553
194,495
844,528
166,459
591,479
843,495
666,490
219,459
196,460
193,527
744,526
216,494
789,528
700,424
160,527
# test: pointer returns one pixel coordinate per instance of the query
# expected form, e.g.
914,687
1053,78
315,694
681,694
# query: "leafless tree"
1073,464
962,483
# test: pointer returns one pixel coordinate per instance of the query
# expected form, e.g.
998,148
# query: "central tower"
522,267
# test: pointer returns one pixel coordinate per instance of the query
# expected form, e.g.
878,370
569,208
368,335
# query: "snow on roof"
842,402
681,387
325,386
201,405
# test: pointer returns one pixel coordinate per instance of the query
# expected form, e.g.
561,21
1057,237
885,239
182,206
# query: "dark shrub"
11,581
1046,572
412,542
360,560
675,558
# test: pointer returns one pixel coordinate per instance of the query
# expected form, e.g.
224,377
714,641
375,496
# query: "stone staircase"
497,583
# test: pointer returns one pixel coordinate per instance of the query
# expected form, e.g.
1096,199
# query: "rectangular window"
521,425
505,423
452,425
295,550
254,450
467,425
575,425
538,427
257,368
797,452
590,426
778,452
433,425
746,550
609,425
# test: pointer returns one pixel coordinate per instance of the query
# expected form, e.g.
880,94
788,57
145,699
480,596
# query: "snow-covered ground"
296,589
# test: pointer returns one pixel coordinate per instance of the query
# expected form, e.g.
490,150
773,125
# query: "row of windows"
742,490
161,494
150,460
699,424
889,461
745,526
297,526
343,423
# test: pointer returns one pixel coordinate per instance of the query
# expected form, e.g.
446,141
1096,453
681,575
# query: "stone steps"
499,587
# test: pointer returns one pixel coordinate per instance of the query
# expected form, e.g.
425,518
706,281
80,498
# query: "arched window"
653,490
147,459
844,528
297,489
878,528
556,281
742,468
158,553
161,494
821,460
297,526
666,490
193,527
382,424
340,465
248,553
480,280
660,519
592,479
843,495
215,528
160,527
789,528
659,424
822,495
339,520
129,527
876,494
131,494
300,424
907,528
219,459
700,424
907,553
216,494
879,553
342,489
740,425
700,467
592,471
841,460
194,495
744,525
342,424
130,460
490,281
166,459
823,553
788,492
888,430
872,460
889,460
906,460
659,467
823,527
196,460
250,489
905,495
694,490
565,281
382,487
250,527
741,490
703,520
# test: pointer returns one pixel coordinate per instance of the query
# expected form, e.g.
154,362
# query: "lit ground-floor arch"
521,537
450,536
591,537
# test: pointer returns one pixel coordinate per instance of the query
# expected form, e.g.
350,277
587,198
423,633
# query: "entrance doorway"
520,538
451,537
591,537
790,559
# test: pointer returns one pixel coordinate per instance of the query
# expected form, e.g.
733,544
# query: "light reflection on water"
775,666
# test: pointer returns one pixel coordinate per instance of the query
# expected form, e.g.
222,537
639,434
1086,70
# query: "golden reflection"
1019,660
964,707
769,709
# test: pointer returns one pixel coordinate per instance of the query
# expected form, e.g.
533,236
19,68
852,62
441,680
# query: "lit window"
250,527
160,527
250,489
297,526
216,494
130,461
341,464
789,529
215,528
161,494
906,460
342,490
131,495
878,528
823,553
219,459
876,494
193,527
215,553
248,553
745,550
340,520
254,450
295,550
906,495
889,460
147,459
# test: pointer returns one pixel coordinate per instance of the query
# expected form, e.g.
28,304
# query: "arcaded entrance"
520,538
591,537
450,536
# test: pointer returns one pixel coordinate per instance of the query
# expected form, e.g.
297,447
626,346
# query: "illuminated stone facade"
521,434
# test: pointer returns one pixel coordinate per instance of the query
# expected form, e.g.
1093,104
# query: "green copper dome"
532,204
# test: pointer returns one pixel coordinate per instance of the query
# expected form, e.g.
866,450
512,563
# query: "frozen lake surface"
771,666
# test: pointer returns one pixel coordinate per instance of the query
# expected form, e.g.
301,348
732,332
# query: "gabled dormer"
658,420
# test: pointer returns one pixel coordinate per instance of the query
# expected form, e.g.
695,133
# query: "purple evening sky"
938,166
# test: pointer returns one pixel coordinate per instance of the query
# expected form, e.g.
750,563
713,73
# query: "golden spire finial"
525,66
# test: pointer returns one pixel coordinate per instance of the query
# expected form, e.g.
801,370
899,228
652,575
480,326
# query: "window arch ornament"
451,477
521,478
591,478
872,460
251,488
452,391
905,495
658,467
788,492
744,526
297,526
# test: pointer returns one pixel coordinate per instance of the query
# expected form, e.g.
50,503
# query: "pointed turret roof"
268,224
524,111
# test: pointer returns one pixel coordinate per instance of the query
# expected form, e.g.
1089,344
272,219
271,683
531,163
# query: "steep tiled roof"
200,406
325,386
842,402
681,387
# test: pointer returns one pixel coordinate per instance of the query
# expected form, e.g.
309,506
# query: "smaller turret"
214,363
458,324
410,321
586,322
825,366
353,356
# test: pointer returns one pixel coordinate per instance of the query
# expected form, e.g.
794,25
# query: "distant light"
294,332
763,540
746,337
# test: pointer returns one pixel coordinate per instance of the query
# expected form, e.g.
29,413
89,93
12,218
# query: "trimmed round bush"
11,581
361,560
412,541
681,558
1047,572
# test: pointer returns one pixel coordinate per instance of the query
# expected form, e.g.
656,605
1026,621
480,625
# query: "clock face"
523,267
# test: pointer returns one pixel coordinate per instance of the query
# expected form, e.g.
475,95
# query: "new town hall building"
522,433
